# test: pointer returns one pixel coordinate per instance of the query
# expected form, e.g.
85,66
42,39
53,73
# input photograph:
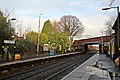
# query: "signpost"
5,49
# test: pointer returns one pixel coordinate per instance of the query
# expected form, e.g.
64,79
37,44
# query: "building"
117,37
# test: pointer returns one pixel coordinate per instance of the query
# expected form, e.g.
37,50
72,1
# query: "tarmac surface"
98,67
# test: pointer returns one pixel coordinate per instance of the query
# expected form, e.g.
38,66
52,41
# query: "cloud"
88,11
92,30
32,23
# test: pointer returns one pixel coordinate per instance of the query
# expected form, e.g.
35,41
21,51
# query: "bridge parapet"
93,40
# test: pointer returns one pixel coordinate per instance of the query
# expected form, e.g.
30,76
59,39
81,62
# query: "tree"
6,31
112,1
46,32
32,37
56,25
22,31
62,39
109,25
71,25
43,39
50,33
47,28
25,46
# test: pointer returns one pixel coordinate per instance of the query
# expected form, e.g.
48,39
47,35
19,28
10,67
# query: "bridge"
83,43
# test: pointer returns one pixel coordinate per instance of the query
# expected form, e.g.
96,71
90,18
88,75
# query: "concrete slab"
95,77
87,71
72,78
85,76
76,74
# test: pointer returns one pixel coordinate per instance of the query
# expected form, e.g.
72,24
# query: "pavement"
98,67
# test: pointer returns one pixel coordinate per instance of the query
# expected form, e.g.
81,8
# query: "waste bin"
17,56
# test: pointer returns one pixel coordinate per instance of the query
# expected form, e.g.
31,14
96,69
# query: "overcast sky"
88,11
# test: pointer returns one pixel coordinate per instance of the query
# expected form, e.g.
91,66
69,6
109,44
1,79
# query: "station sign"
9,42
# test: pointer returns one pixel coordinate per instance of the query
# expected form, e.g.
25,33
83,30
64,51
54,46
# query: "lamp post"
38,44
117,28
12,19
9,22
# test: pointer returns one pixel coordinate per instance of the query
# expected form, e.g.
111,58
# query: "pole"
102,41
38,45
102,44
118,36
38,36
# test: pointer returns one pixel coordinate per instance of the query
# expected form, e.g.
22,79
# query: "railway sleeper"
31,64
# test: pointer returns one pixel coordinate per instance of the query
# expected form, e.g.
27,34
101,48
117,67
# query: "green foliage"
5,30
48,35
47,28
43,39
32,37
63,40
54,38
25,47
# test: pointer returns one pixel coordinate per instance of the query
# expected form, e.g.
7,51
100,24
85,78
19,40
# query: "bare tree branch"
56,26
72,25
112,1
109,24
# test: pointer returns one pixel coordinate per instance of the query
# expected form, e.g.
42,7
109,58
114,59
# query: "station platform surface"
34,58
98,67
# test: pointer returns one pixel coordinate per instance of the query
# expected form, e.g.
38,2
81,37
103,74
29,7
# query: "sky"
89,12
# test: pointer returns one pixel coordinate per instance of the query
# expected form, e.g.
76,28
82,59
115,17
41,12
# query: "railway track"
60,74
50,71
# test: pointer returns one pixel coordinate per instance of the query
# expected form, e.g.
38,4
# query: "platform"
98,67
35,59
